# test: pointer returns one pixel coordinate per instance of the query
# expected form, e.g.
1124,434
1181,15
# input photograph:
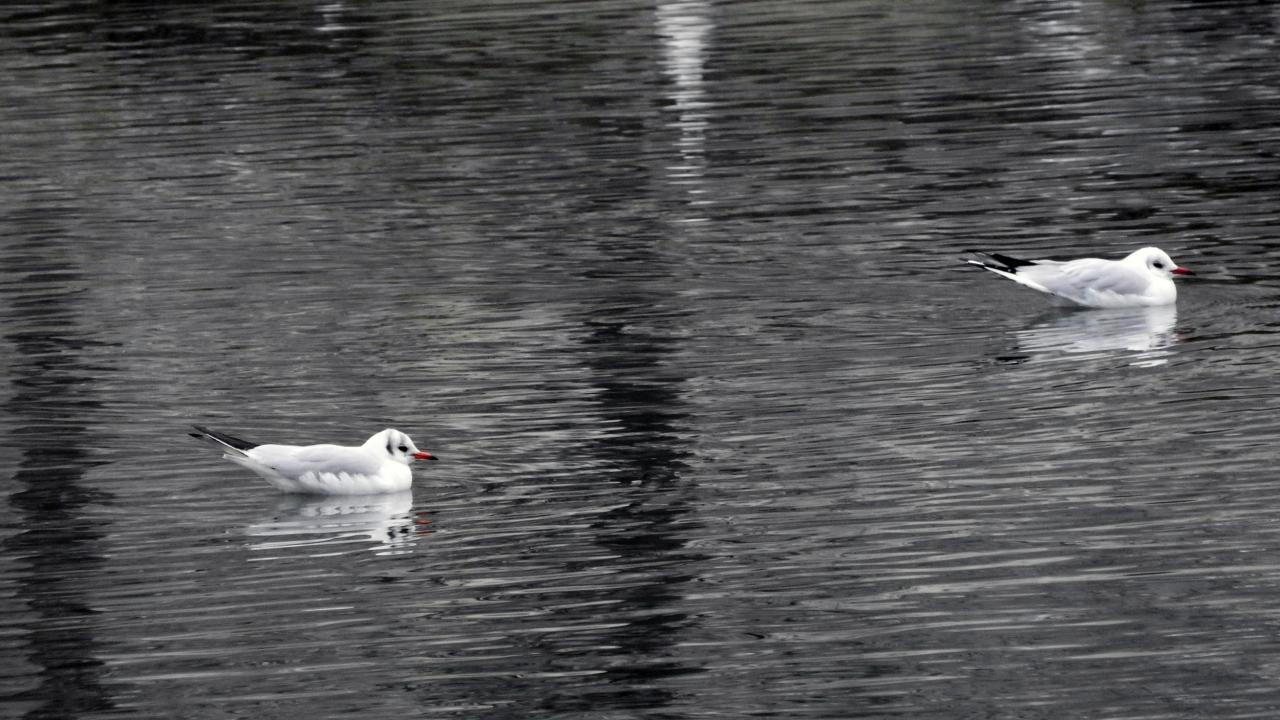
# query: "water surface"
674,291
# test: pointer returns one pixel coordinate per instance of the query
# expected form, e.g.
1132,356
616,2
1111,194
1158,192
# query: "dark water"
673,290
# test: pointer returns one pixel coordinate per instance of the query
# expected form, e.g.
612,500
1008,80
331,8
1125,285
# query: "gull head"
1157,262
397,446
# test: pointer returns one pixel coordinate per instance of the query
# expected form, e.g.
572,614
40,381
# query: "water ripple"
675,291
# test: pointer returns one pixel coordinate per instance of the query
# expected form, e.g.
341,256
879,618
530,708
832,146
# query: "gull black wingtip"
999,261
234,443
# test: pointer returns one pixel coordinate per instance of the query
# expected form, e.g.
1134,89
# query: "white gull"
380,465
1142,278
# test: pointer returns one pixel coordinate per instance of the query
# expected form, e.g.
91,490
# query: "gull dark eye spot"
404,449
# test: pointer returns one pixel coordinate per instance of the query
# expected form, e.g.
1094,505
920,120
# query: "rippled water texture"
674,291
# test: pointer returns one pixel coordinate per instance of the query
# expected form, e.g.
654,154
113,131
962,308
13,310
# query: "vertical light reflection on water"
1061,33
56,551
331,17
684,28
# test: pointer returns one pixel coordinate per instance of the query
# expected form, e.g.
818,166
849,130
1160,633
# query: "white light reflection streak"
683,28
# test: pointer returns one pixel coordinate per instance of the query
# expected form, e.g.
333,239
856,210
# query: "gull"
1142,278
380,465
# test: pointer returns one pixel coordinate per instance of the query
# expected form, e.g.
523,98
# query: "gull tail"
230,443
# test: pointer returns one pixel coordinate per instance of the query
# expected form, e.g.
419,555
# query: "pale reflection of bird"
1142,278
327,523
1145,335
380,465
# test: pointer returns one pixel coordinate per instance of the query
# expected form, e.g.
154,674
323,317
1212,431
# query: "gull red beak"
424,456
1181,271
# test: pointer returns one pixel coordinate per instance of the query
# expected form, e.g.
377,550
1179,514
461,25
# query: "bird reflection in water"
386,524
1146,334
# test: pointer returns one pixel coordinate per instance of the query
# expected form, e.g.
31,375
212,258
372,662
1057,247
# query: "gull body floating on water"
1142,278
380,465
